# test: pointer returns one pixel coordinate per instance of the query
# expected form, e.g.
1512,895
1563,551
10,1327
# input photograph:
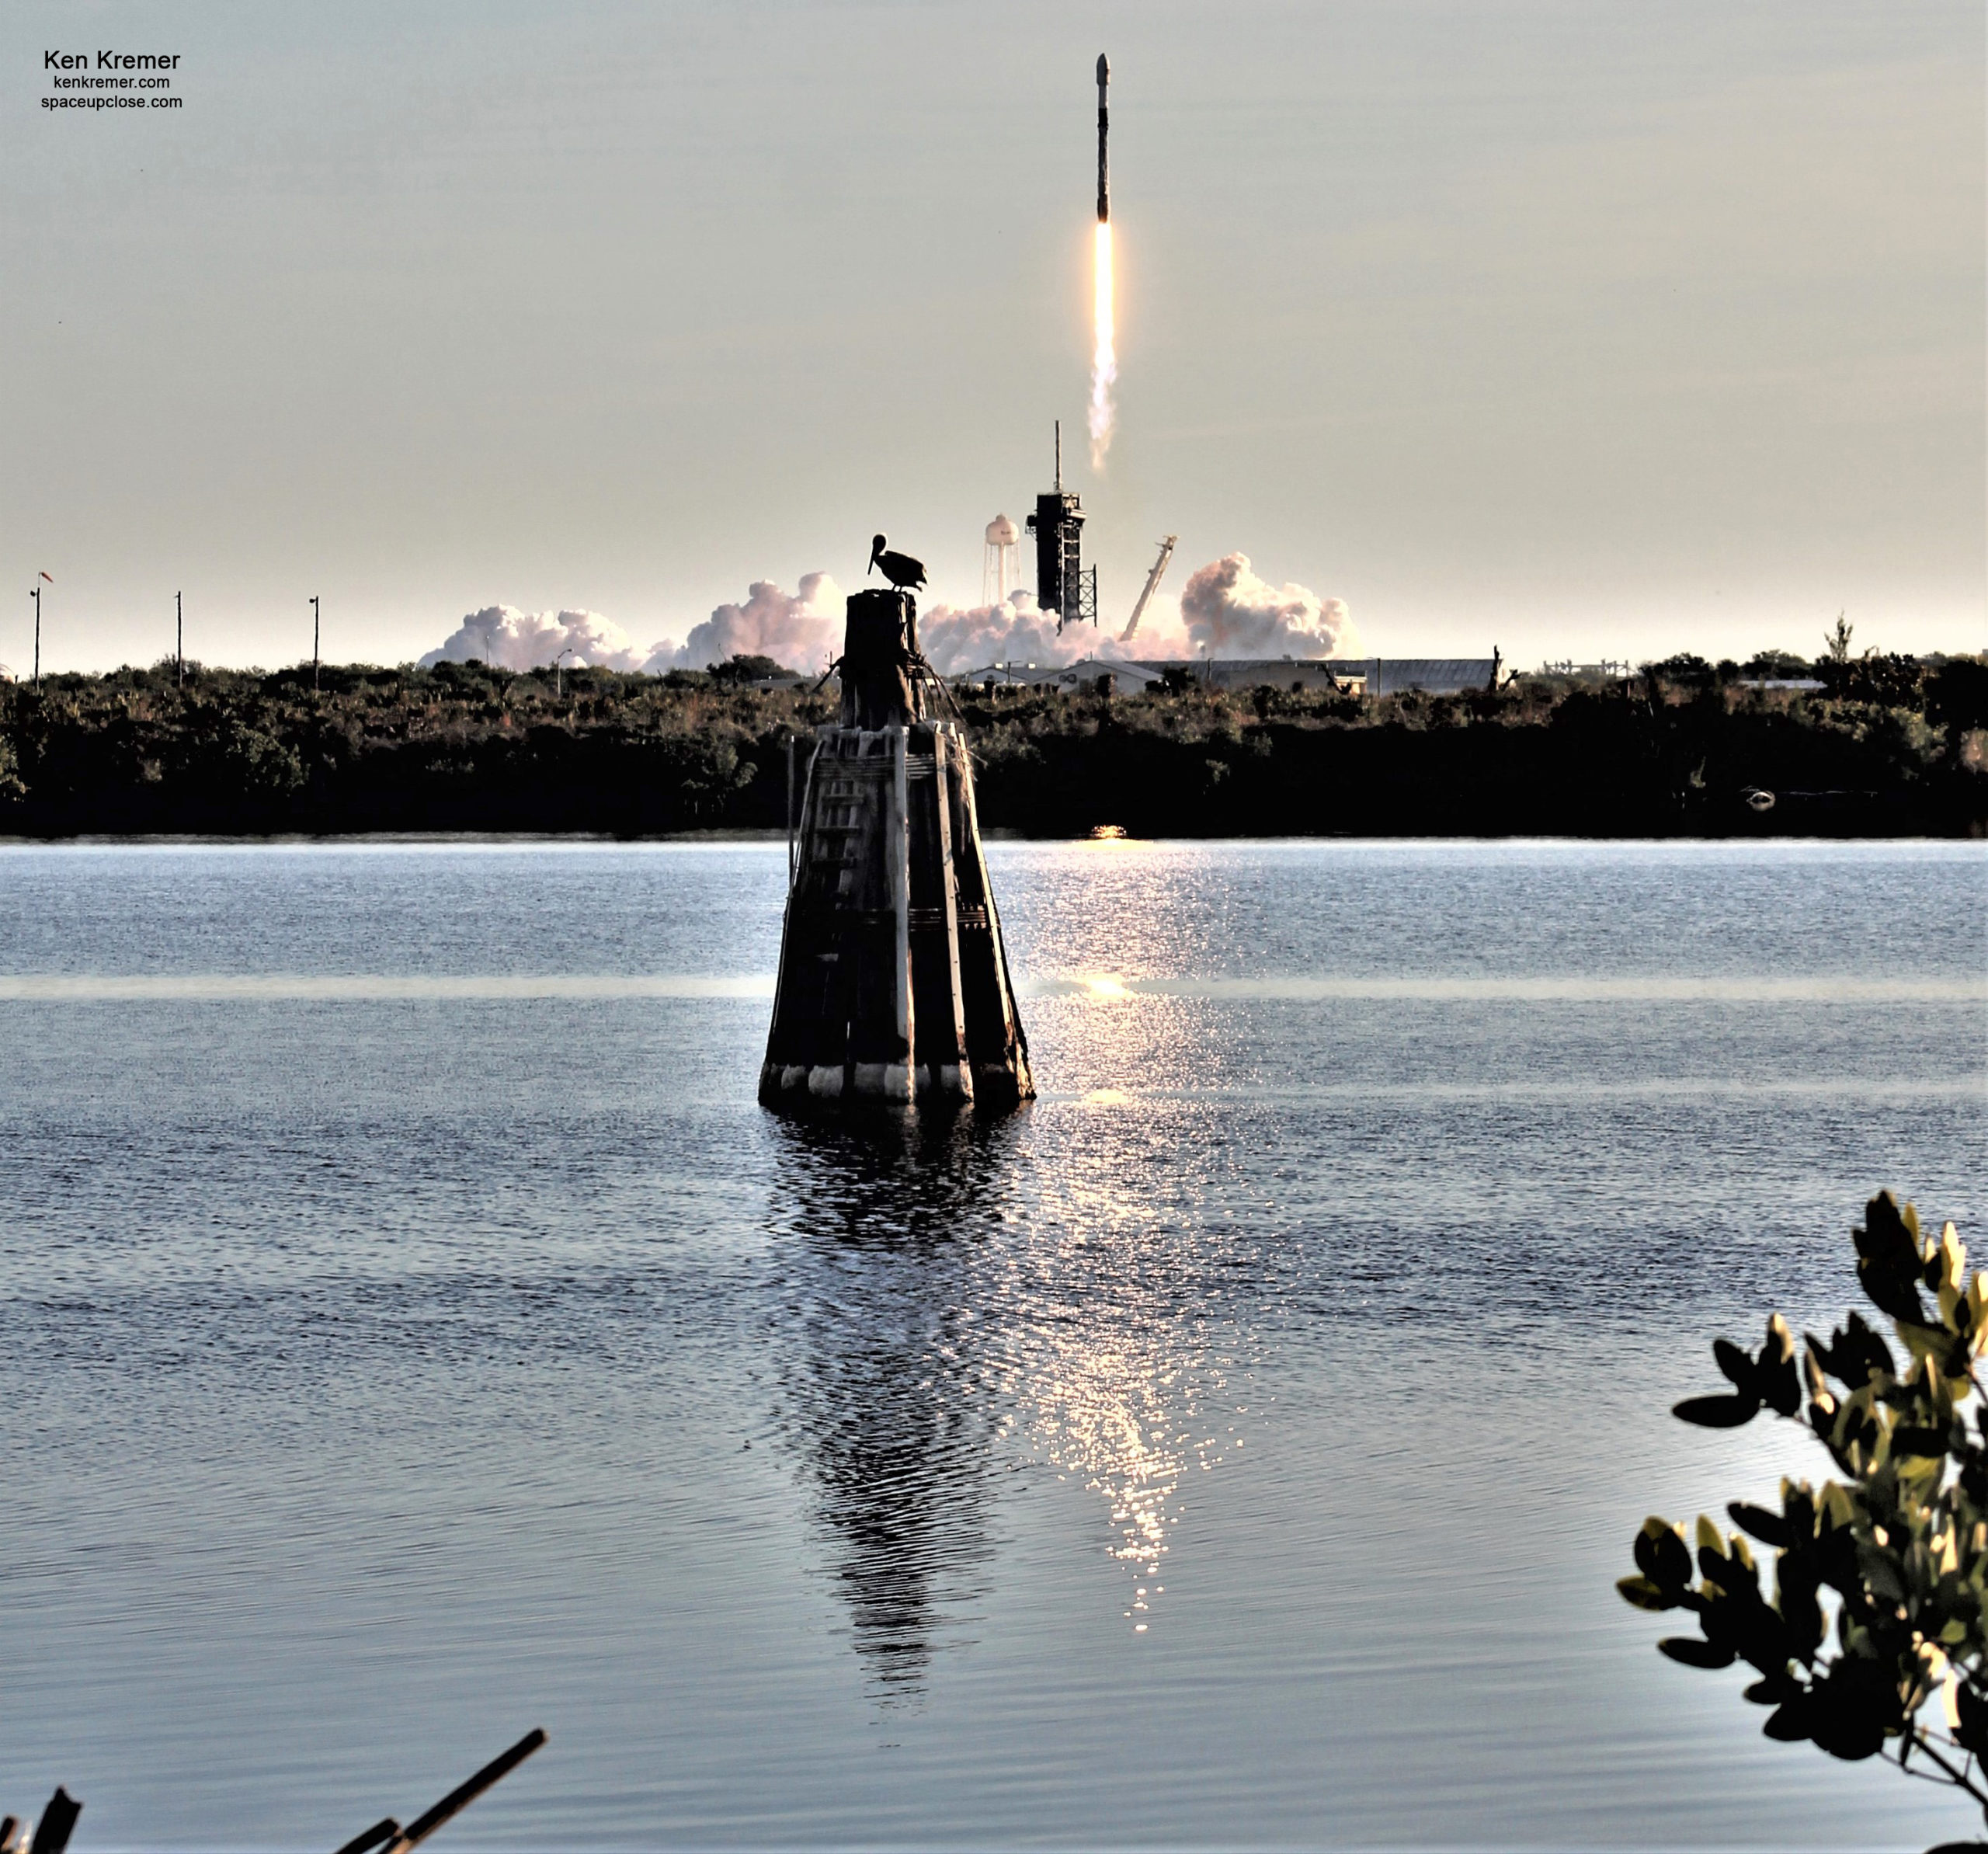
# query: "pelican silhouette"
900,569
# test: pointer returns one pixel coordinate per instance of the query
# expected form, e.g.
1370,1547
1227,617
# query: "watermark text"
110,80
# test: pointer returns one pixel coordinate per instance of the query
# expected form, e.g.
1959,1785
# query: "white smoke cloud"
1013,632
800,630
508,638
1225,606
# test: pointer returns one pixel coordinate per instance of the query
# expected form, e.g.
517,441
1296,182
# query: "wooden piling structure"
894,984
58,1822
387,1836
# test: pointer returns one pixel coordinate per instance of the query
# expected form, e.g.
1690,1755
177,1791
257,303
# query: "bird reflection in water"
883,1368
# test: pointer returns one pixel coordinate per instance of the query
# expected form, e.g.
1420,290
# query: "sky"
1583,330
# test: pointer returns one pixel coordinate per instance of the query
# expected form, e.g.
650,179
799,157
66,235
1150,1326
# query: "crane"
1153,580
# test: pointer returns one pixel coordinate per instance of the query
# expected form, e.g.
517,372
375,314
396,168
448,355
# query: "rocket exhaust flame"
1104,355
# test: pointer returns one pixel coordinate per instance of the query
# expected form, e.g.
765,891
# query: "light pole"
34,592
559,672
314,643
178,643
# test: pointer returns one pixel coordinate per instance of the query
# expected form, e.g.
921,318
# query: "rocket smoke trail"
1104,357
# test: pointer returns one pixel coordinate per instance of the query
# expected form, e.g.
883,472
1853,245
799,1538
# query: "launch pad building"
1063,584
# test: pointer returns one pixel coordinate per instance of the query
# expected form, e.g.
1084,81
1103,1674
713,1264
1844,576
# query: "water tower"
998,559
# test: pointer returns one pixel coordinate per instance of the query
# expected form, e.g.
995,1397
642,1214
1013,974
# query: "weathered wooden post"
894,982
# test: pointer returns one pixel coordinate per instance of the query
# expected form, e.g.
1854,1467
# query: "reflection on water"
881,1231
1130,1411
941,1328
1120,1361
410,1328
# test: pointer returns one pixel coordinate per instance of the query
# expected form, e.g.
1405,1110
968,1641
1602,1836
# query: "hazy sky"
1578,328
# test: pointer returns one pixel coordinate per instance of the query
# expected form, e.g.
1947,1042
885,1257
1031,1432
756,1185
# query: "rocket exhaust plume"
1104,356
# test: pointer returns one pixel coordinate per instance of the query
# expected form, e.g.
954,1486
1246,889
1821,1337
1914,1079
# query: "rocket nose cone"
1104,69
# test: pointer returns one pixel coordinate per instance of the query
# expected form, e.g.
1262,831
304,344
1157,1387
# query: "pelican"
900,569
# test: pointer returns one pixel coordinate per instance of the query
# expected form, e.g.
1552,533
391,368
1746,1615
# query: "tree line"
1888,746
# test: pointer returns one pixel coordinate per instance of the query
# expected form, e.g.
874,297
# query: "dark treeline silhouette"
1888,745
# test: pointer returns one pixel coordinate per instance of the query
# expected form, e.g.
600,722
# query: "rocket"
1103,128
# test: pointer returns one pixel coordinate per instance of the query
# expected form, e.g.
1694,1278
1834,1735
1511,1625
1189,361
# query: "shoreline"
459,751
776,840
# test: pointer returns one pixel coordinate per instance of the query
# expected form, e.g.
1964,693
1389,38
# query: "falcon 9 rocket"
1103,128
1104,354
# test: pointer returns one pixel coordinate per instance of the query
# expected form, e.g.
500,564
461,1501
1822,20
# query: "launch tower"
1063,584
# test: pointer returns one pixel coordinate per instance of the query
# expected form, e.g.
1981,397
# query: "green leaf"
1717,1413
1889,1267
1733,1572
1734,1362
1774,1689
1972,1730
1897,1294
1791,1723
1770,1529
1853,1708
1881,1570
1696,1654
1663,1557
1852,1737
1916,1440
1644,1594
1854,1352
1797,1577
1777,1377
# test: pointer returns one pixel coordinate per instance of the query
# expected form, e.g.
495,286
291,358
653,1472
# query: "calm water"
415,1332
